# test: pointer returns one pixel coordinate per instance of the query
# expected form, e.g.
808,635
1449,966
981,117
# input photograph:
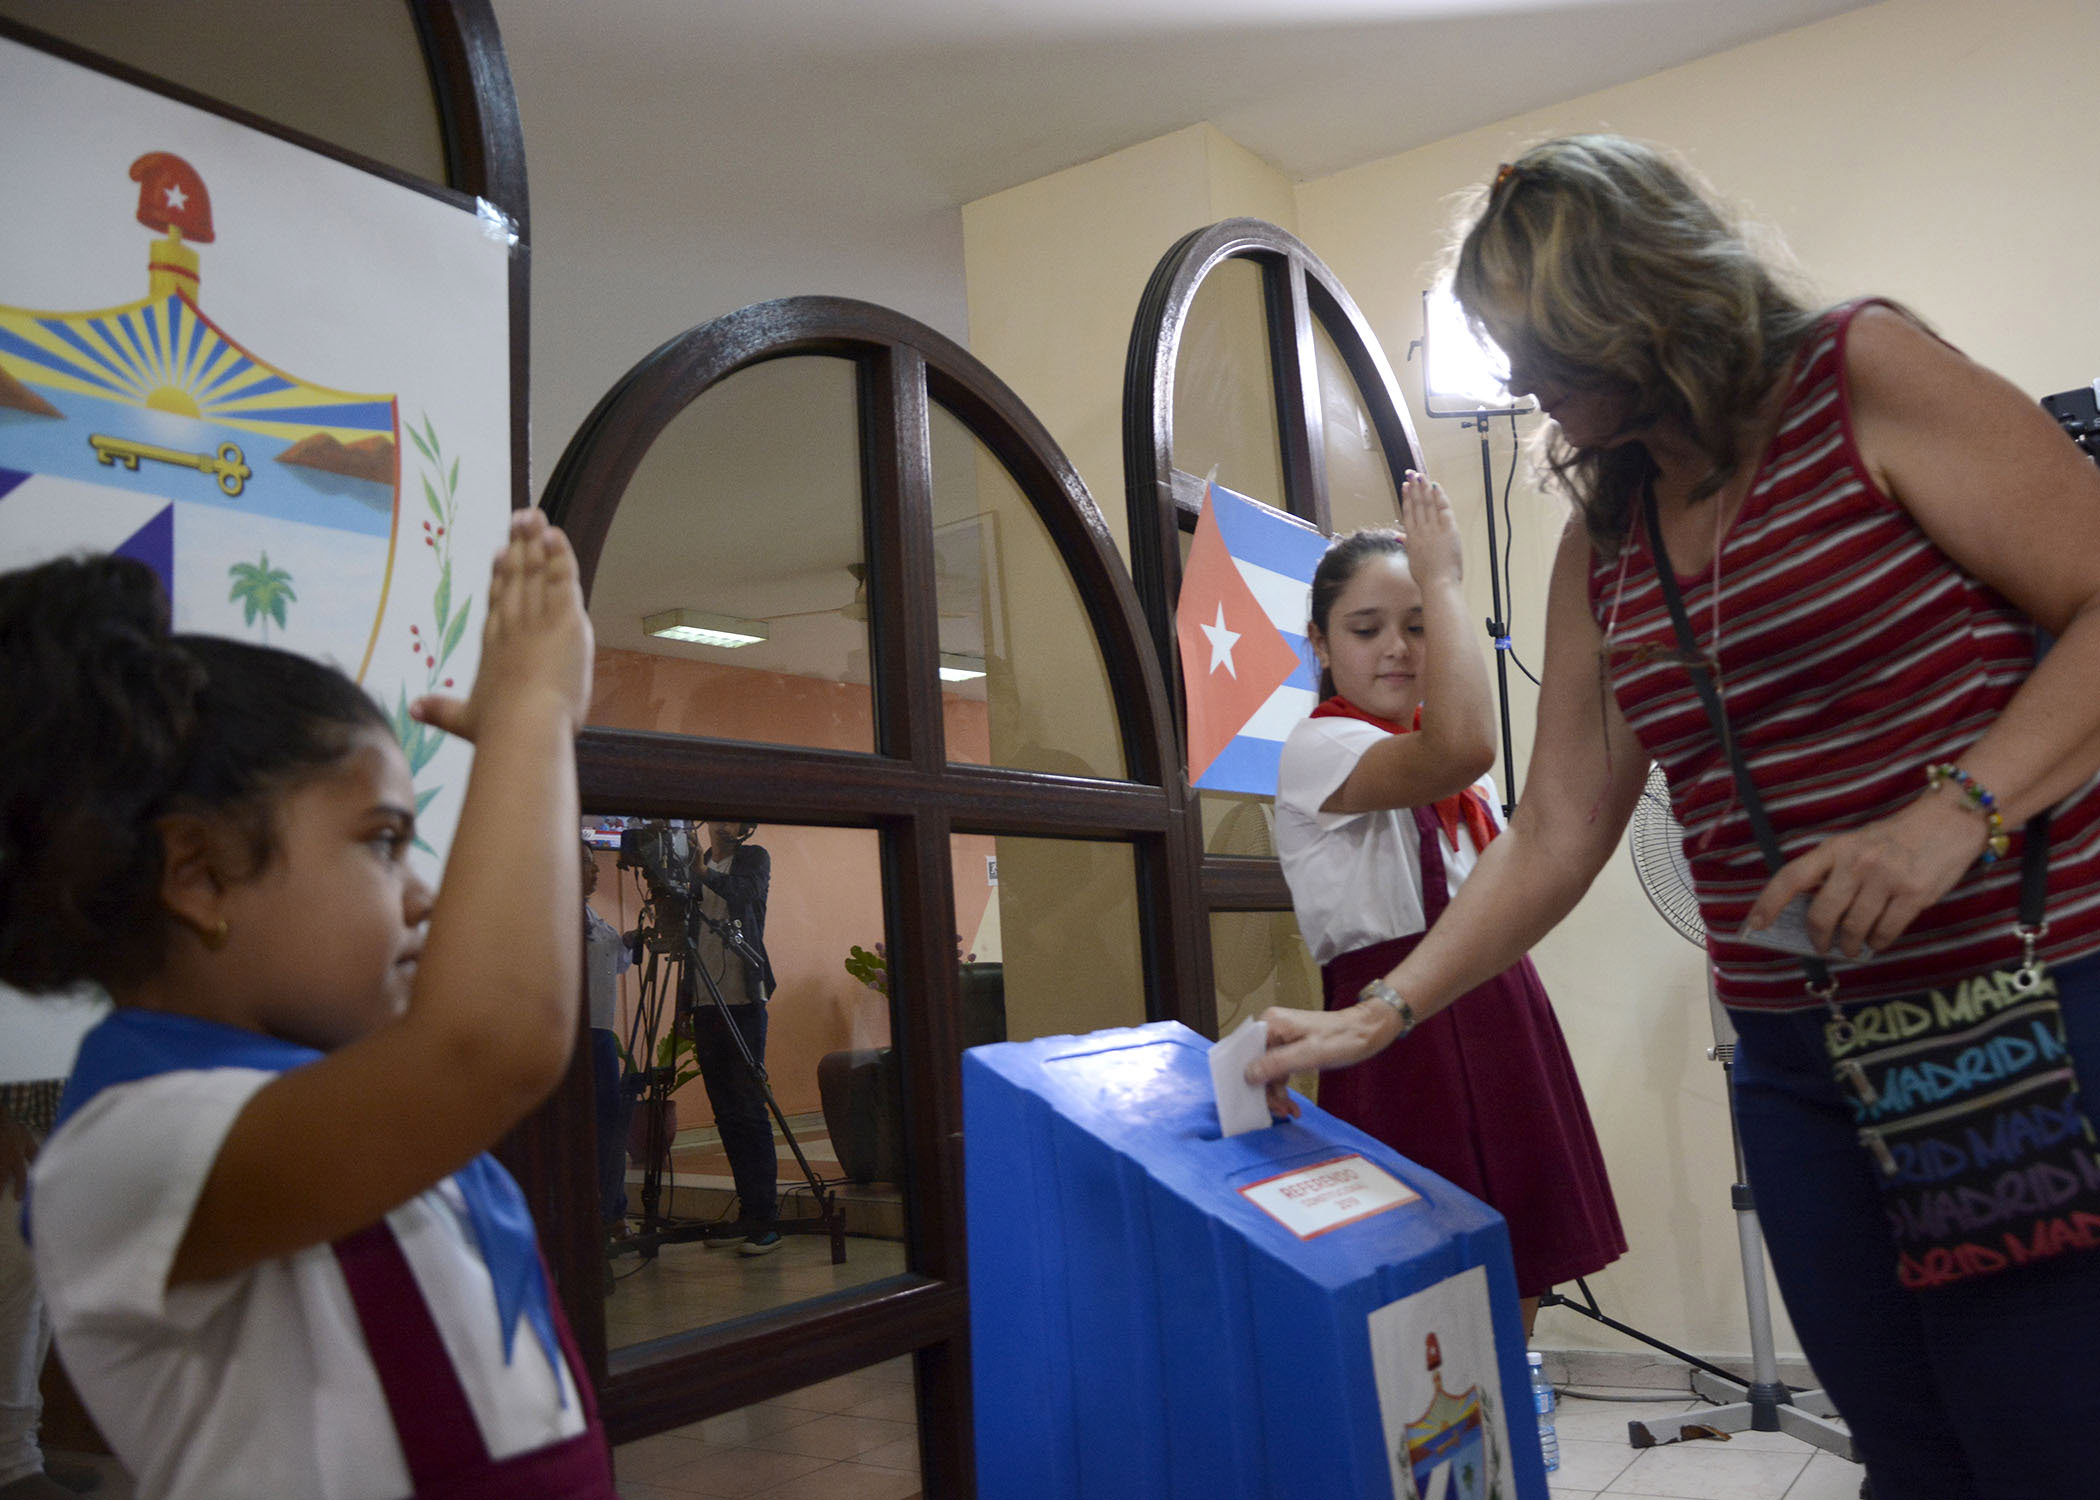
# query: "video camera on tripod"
654,850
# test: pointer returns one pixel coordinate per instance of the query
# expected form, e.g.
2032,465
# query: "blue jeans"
1986,1390
612,1107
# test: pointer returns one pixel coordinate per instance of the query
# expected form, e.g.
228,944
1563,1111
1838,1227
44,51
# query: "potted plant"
655,1122
872,967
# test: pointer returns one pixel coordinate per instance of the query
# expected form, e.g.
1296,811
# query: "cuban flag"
1247,673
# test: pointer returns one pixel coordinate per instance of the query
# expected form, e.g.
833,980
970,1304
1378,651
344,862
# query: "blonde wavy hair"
1599,262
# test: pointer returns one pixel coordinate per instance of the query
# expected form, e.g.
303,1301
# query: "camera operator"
606,957
731,877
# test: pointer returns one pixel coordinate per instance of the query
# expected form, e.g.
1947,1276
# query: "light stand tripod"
684,961
1761,1403
1476,417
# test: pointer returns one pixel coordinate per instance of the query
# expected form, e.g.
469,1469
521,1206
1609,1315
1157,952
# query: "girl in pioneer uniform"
1378,820
279,1262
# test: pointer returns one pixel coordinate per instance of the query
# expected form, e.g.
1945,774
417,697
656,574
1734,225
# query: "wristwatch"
1385,994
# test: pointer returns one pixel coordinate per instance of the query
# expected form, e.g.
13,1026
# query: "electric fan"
1760,1404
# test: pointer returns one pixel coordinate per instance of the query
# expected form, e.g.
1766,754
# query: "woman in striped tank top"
1867,529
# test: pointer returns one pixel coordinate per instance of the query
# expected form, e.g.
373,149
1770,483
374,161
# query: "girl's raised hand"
536,642
1433,554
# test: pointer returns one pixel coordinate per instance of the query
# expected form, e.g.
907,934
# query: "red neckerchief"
1464,806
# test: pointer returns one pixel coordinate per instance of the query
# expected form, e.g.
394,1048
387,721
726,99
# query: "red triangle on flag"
1232,655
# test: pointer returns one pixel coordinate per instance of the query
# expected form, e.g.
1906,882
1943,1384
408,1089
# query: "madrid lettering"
2052,1236
2011,1136
1975,999
2002,1059
2025,1191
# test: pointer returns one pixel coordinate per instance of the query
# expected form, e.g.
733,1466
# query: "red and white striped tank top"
1853,653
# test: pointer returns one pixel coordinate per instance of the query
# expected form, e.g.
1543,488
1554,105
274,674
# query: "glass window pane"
1238,823
978,948
1225,386
744,517
1257,960
345,71
1010,611
1359,482
1056,938
703,1148
856,1435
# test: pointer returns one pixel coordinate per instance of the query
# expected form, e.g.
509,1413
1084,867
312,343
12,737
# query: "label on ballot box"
1313,1200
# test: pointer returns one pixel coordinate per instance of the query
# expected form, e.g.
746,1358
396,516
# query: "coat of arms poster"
279,379
1439,1384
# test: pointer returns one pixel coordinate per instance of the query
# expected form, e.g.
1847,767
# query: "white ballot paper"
1242,1106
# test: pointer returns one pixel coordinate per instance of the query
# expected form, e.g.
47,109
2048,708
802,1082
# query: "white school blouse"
255,1386
1355,878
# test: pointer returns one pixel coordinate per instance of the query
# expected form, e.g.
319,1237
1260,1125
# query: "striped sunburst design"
166,355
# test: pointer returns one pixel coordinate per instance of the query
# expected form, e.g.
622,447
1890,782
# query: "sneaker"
762,1243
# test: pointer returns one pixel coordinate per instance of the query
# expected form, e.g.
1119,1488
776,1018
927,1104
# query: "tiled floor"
691,1285
853,1438
1596,1460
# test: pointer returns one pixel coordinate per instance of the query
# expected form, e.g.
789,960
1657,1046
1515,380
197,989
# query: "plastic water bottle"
1542,1400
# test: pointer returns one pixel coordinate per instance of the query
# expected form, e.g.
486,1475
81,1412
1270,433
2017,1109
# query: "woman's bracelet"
1385,994
1995,840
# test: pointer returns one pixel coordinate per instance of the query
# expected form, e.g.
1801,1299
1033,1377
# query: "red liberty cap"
172,196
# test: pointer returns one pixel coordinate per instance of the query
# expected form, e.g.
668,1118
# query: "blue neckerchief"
130,1044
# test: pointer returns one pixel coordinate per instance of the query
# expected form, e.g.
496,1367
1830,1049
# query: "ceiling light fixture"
704,629
955,667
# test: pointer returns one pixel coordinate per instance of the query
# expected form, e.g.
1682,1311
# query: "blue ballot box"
1159,1311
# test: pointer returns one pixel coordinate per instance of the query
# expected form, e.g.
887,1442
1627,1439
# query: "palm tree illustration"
262,591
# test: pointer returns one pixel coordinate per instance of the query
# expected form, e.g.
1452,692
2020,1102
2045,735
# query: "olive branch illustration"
420,742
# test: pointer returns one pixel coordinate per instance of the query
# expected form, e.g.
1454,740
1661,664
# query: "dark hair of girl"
107,723
1345,554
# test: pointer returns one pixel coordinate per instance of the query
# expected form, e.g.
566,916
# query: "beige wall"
1056,267
1925,149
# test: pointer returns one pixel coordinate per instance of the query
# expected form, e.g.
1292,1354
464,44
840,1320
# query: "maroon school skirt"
1484,1094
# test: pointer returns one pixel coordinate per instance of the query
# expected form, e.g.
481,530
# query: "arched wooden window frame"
913,796
1298,291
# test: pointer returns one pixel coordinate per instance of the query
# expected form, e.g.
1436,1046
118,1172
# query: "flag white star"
1221,643
176,196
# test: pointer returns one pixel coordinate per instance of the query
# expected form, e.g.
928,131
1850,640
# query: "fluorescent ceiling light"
955,667
1457,363
704,629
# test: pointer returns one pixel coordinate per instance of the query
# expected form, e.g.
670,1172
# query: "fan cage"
1656,841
